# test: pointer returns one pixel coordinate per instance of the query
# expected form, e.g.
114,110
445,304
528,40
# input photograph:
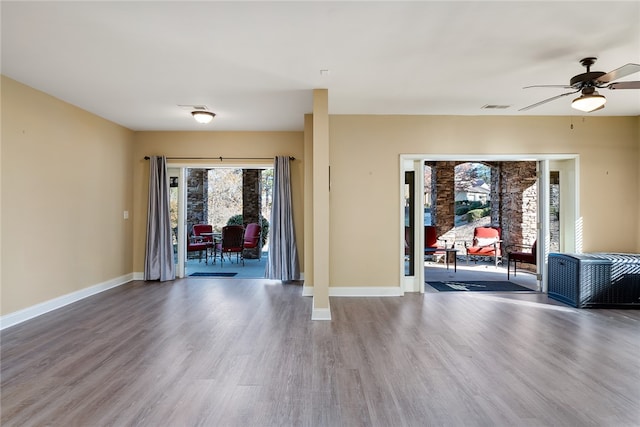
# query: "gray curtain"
282,263
158,260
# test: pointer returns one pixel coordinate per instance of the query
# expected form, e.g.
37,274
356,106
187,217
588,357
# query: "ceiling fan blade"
547,100
560,86
623,71
624,85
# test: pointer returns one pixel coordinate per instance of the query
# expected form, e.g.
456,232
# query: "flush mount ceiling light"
203,117
589,101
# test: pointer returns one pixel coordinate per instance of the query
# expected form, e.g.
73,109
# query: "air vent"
495,107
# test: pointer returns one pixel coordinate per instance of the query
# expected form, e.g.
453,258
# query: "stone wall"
197,197
518,196
513,196
443,198
494,195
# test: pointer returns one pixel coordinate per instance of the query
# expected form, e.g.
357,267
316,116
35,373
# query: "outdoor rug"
477,286
203,274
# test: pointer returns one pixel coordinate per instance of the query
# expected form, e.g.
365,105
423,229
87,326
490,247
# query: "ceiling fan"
587,83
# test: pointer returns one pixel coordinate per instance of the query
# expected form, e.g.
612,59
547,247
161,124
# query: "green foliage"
465,206
461,210
475,205
264,223
476,214
235,220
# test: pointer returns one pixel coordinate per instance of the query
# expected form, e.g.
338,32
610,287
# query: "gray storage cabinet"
595,280
578,279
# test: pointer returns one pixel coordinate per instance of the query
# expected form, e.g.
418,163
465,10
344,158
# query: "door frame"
182,199
413,283
571,228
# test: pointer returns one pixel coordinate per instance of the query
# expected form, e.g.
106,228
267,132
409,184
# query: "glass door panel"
409,223
174,175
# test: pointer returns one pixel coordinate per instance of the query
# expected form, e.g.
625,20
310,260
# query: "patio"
434,271
482,270
253,268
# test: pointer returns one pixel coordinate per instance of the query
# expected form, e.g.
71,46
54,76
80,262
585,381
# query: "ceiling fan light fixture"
589,102
203,117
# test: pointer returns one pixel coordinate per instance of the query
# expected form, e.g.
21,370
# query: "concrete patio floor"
482,270
253,268
434,271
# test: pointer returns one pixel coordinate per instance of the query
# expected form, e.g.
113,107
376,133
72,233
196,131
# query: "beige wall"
67,176
365,178
214,144
66,181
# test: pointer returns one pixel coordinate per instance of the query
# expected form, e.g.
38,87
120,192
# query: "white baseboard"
25,314
320,313
372,291
357,291
20,316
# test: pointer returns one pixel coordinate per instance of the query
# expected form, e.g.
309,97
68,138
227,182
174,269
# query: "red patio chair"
232,242
486,243
203,233
252,236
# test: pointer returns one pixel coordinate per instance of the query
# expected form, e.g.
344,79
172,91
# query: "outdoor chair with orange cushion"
526,257
486,243
232,242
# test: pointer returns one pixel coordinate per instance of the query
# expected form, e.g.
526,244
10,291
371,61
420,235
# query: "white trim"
321,313
488,157
181,262
577,215
405,281
411,284
25,314
138,275
361,291
544,235
418,260
543,212
358,291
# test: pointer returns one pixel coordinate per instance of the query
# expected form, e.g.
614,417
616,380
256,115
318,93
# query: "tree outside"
267,193
225,195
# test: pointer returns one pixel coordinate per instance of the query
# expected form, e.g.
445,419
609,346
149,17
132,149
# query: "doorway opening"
520,196
217,197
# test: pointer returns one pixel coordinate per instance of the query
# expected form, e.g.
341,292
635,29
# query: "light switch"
126,215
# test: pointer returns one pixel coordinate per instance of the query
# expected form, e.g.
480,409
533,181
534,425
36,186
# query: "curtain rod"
220,158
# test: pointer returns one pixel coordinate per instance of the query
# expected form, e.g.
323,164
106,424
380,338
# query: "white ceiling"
255,63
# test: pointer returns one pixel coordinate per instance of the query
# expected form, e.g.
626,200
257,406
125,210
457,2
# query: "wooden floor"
215,352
